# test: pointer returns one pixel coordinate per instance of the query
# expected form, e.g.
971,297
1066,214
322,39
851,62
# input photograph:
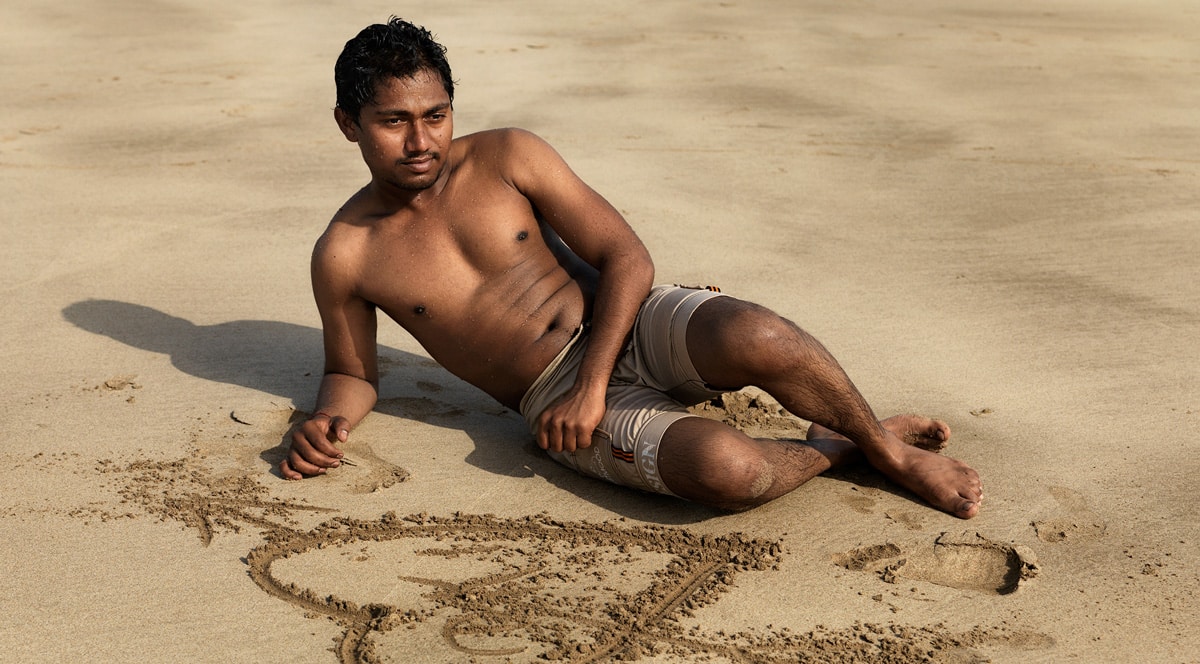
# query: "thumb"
543,440
340,427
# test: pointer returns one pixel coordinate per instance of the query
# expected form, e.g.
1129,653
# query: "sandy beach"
989,214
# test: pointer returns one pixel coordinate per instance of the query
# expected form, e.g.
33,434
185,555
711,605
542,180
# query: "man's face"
405,134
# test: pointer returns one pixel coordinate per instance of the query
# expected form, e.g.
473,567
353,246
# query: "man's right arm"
349,387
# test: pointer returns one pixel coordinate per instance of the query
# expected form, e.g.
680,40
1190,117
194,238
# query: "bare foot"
910,460
916,430
946,483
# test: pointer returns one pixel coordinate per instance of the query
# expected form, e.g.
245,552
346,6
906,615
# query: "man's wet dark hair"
396,49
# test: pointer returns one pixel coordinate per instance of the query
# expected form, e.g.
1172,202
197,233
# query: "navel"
522,235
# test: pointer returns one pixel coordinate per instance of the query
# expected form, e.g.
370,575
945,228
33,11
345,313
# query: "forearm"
569,423
624,282
346,396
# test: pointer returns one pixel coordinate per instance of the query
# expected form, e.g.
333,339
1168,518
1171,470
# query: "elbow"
632,263
643,266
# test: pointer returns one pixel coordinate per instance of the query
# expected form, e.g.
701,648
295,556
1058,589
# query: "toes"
938,429
970,499
963,496
960,504
966,504
967,510
920,431
974,487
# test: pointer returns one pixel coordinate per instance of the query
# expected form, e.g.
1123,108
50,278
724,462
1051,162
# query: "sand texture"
989,212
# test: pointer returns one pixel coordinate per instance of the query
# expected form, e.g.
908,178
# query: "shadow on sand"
283,359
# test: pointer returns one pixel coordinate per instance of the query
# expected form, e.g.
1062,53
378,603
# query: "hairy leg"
916,430
713,464
734,343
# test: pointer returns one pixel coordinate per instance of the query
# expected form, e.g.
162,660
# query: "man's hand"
313,448
568,423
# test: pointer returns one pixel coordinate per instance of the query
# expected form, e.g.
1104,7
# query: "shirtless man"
463,242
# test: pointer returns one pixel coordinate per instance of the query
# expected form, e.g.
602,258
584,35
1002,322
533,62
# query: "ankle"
887,452
838,452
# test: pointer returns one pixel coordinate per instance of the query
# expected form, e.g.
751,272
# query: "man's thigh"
658,355
625,446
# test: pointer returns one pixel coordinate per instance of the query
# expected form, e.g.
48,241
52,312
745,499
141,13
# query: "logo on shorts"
598,467
649,467
620,454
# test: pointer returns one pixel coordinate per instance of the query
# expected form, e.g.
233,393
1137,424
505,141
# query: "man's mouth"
419,159
419,164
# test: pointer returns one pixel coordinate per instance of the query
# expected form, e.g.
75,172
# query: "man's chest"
441,261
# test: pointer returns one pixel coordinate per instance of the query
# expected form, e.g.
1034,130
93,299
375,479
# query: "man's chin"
414,184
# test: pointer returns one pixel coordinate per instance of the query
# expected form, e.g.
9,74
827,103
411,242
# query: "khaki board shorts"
651,385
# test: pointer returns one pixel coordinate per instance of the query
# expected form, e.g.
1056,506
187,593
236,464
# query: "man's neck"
393,199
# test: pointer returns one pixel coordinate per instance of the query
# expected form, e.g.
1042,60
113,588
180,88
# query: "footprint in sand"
911,519
968,561
861,500
864,500
1081,524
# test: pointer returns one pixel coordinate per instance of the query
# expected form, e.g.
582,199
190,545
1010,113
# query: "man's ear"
347,124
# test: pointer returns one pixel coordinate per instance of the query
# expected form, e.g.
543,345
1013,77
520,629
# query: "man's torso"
471,276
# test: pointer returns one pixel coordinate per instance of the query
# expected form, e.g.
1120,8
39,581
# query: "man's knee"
749,337
748,483
724,471
768,339
739,484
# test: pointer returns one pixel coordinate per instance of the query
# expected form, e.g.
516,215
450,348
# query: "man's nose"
418,139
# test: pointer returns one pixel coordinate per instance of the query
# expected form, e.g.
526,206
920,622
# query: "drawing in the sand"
536,587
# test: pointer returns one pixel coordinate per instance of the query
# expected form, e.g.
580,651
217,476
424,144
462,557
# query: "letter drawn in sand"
552,589
512,589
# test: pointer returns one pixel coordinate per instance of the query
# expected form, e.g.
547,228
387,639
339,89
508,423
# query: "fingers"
548,438
341,428
567,424
556,435
285,469
326,430
313,449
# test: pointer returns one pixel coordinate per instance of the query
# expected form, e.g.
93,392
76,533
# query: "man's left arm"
597,233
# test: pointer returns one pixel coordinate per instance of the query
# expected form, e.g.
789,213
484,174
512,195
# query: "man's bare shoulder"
340,245
498,135
518,157
505,143
357,211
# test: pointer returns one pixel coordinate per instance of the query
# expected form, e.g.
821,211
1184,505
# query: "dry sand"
989,214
